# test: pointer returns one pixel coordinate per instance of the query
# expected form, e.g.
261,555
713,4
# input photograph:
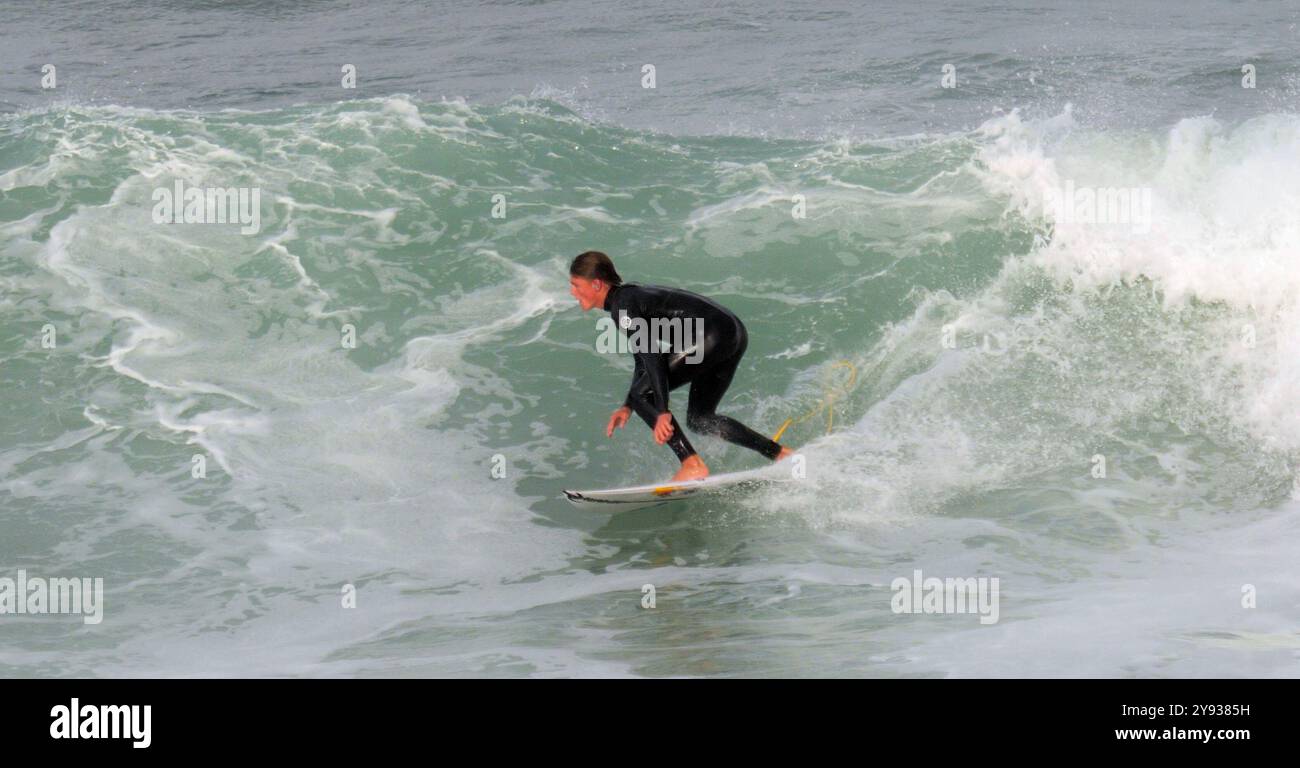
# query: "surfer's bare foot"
693,468
784,454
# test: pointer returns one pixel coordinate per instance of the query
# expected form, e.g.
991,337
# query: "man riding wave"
708,365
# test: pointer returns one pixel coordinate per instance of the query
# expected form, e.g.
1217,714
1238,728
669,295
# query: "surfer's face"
587,292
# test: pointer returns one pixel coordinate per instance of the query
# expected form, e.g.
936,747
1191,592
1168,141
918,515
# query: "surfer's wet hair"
594,265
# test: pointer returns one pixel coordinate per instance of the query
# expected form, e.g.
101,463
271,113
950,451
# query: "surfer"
708,366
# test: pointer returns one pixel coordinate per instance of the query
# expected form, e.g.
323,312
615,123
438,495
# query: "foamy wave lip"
406,110
1224,228
1225,218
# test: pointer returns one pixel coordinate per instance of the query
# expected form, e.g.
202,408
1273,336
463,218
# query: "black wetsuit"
709,370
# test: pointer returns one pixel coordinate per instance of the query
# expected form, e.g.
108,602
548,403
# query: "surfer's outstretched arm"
638,371
654,379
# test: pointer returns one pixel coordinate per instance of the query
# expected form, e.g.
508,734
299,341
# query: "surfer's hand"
617,419
663,427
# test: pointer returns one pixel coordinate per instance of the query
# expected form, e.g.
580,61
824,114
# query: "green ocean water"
998,352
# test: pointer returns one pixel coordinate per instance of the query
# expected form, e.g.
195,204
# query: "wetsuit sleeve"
637,373
654,372
651,371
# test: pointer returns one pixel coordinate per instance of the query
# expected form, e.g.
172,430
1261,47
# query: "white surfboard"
636,497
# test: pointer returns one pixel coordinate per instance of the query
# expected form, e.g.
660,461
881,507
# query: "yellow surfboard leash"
826,403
